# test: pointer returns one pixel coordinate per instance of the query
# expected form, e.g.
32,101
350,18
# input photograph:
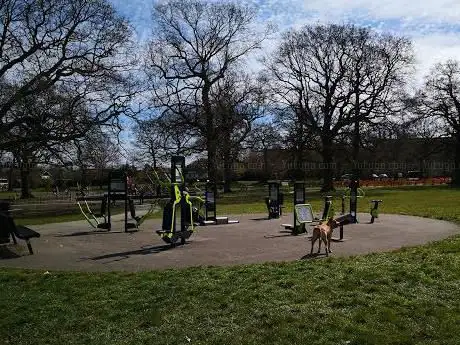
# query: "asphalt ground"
77,247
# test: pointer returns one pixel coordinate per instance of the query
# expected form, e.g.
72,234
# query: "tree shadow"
314,256
125,255
276,236
287,233
95,232
7,252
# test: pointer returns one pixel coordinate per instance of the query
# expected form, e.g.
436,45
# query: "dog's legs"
314,236
313,240
329,242
325,245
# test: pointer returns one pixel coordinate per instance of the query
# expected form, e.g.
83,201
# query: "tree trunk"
212,159
25,186
101,182
211,139
84,177
456,172
226,145
266,171
328,168
356,134
355,151
227,173
11,176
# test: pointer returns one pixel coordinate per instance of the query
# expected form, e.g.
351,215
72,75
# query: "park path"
75,246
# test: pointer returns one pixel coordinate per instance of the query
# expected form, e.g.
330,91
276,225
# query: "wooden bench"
9,228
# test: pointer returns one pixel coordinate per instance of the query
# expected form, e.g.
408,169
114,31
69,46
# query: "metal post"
125,178
354,184
109,202
273,204
327,206
299,198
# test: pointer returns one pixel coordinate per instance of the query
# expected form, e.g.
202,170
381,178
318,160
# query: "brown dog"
323,232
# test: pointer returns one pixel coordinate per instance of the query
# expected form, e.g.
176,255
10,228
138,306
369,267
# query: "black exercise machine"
117,190
303,213
274,201
354,192
210,208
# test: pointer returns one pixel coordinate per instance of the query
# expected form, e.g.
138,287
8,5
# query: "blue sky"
434,26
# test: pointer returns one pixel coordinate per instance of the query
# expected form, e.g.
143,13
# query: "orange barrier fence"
429,181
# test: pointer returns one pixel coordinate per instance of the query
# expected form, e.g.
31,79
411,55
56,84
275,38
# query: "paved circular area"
74,246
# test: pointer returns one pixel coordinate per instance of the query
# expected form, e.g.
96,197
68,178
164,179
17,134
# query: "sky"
433,25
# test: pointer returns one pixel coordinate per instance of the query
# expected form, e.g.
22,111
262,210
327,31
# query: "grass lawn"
411,296
433,202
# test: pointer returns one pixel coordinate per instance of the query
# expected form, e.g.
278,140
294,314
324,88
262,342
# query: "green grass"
433,202
410,296
42,220
440,202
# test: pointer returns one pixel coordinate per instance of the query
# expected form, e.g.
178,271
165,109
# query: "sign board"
210,197
304,213
273,191
117,185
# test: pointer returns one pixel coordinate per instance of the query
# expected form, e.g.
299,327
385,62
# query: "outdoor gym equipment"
353,192
303,213
179,200
210,208
328,210
118,189
96,220
275,200
374,209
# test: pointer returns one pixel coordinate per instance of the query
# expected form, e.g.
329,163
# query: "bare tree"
332,77
97,150
440,102
263,137
71,49
158,139
237,101
195,43
381,64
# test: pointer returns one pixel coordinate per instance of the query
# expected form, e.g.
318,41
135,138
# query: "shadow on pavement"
8,253
86,233
314,256
125,255
287,233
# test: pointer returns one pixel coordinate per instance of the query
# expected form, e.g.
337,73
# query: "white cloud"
433,48
438,10
434,26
